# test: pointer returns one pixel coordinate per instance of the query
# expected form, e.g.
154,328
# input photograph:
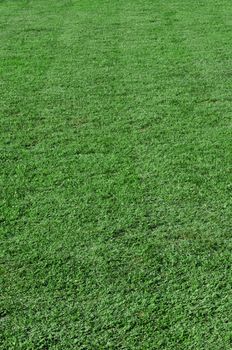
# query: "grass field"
116,174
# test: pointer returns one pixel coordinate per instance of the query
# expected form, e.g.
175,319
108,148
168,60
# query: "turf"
116,174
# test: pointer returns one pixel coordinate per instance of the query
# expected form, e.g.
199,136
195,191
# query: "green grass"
116,174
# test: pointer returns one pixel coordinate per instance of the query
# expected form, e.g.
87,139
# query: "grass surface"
116,174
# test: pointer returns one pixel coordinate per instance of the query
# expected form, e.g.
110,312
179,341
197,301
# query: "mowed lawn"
116,174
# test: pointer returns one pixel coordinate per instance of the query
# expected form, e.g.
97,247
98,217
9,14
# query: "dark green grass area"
116,174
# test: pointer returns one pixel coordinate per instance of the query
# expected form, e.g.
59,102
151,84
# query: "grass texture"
116,174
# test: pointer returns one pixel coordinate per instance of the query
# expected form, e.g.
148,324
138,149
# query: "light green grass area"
116,174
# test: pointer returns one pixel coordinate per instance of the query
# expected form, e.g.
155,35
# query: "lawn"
116,174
